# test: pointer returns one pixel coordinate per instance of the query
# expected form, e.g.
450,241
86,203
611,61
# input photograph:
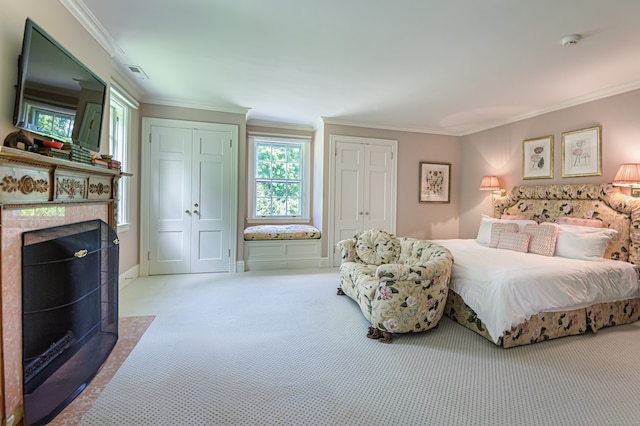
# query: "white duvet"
506,287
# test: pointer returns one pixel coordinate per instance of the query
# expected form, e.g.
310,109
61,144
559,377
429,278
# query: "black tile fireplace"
69,312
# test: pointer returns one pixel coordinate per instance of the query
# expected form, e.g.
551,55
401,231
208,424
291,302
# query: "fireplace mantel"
28,178
30,186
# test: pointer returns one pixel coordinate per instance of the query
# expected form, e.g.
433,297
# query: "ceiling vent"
138,72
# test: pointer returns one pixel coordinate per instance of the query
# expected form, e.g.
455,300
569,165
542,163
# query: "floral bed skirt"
547,325
608,314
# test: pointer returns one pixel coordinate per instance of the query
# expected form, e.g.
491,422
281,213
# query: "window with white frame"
279,179
119,135
54,121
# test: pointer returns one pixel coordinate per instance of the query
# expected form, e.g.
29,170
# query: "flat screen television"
57,96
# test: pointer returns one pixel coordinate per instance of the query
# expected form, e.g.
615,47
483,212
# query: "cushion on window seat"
281,232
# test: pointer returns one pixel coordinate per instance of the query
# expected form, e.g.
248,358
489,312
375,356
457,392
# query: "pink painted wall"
498,151
414,219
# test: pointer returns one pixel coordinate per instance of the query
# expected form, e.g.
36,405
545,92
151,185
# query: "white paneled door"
170,198
190,223
364,182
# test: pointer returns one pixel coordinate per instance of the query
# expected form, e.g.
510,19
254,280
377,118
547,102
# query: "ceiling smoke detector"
571,40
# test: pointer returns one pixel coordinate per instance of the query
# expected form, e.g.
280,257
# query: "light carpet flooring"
281,348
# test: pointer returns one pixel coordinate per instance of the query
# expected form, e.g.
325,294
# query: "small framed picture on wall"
435,182
582,152
537,158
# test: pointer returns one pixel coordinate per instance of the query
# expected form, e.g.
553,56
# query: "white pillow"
484,231
582,242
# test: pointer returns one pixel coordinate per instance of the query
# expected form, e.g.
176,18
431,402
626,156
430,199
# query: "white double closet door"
364,187
190,197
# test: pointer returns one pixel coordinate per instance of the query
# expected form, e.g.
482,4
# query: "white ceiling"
439,66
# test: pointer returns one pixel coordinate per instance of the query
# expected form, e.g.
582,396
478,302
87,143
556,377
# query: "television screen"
57,96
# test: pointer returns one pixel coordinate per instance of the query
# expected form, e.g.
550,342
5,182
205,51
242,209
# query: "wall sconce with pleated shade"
491,183
629,175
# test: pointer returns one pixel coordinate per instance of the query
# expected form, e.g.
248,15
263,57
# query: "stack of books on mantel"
99,162
113,164
107,162
78,153
54,152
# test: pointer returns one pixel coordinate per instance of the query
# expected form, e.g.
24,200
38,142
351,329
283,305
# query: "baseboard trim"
128,276
266,265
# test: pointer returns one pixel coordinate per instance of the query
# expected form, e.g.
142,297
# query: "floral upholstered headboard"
604,202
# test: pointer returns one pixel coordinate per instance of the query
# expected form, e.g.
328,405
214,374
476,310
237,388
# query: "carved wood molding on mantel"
29,178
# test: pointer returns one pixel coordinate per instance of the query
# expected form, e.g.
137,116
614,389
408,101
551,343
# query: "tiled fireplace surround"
38,192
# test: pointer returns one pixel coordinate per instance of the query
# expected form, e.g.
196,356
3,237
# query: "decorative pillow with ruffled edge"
517,241
484,231
543,239
376,247
497,229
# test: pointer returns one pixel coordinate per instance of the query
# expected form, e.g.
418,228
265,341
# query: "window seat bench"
282,247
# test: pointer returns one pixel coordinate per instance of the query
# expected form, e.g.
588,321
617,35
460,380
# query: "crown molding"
280,125
618,90
181,104
123,82
318,124
87,19
339,122
124,94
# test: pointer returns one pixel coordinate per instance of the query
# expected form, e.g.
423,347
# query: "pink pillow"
497,228
484,231
515,217
517,241
564,220
543,239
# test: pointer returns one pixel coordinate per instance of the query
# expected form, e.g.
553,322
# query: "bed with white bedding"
514,297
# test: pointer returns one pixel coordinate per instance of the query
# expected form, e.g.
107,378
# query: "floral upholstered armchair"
400,284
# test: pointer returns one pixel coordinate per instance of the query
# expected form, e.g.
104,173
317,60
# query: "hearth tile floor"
130,330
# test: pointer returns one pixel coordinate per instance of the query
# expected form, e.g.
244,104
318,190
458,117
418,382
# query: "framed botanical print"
582,152
537,158
435,182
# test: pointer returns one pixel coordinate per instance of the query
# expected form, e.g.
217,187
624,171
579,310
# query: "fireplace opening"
69,312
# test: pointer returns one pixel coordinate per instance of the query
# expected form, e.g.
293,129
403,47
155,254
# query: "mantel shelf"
27,178
31,158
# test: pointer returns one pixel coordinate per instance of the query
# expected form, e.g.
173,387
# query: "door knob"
187,212
367,213
195,211
195,205
360,213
